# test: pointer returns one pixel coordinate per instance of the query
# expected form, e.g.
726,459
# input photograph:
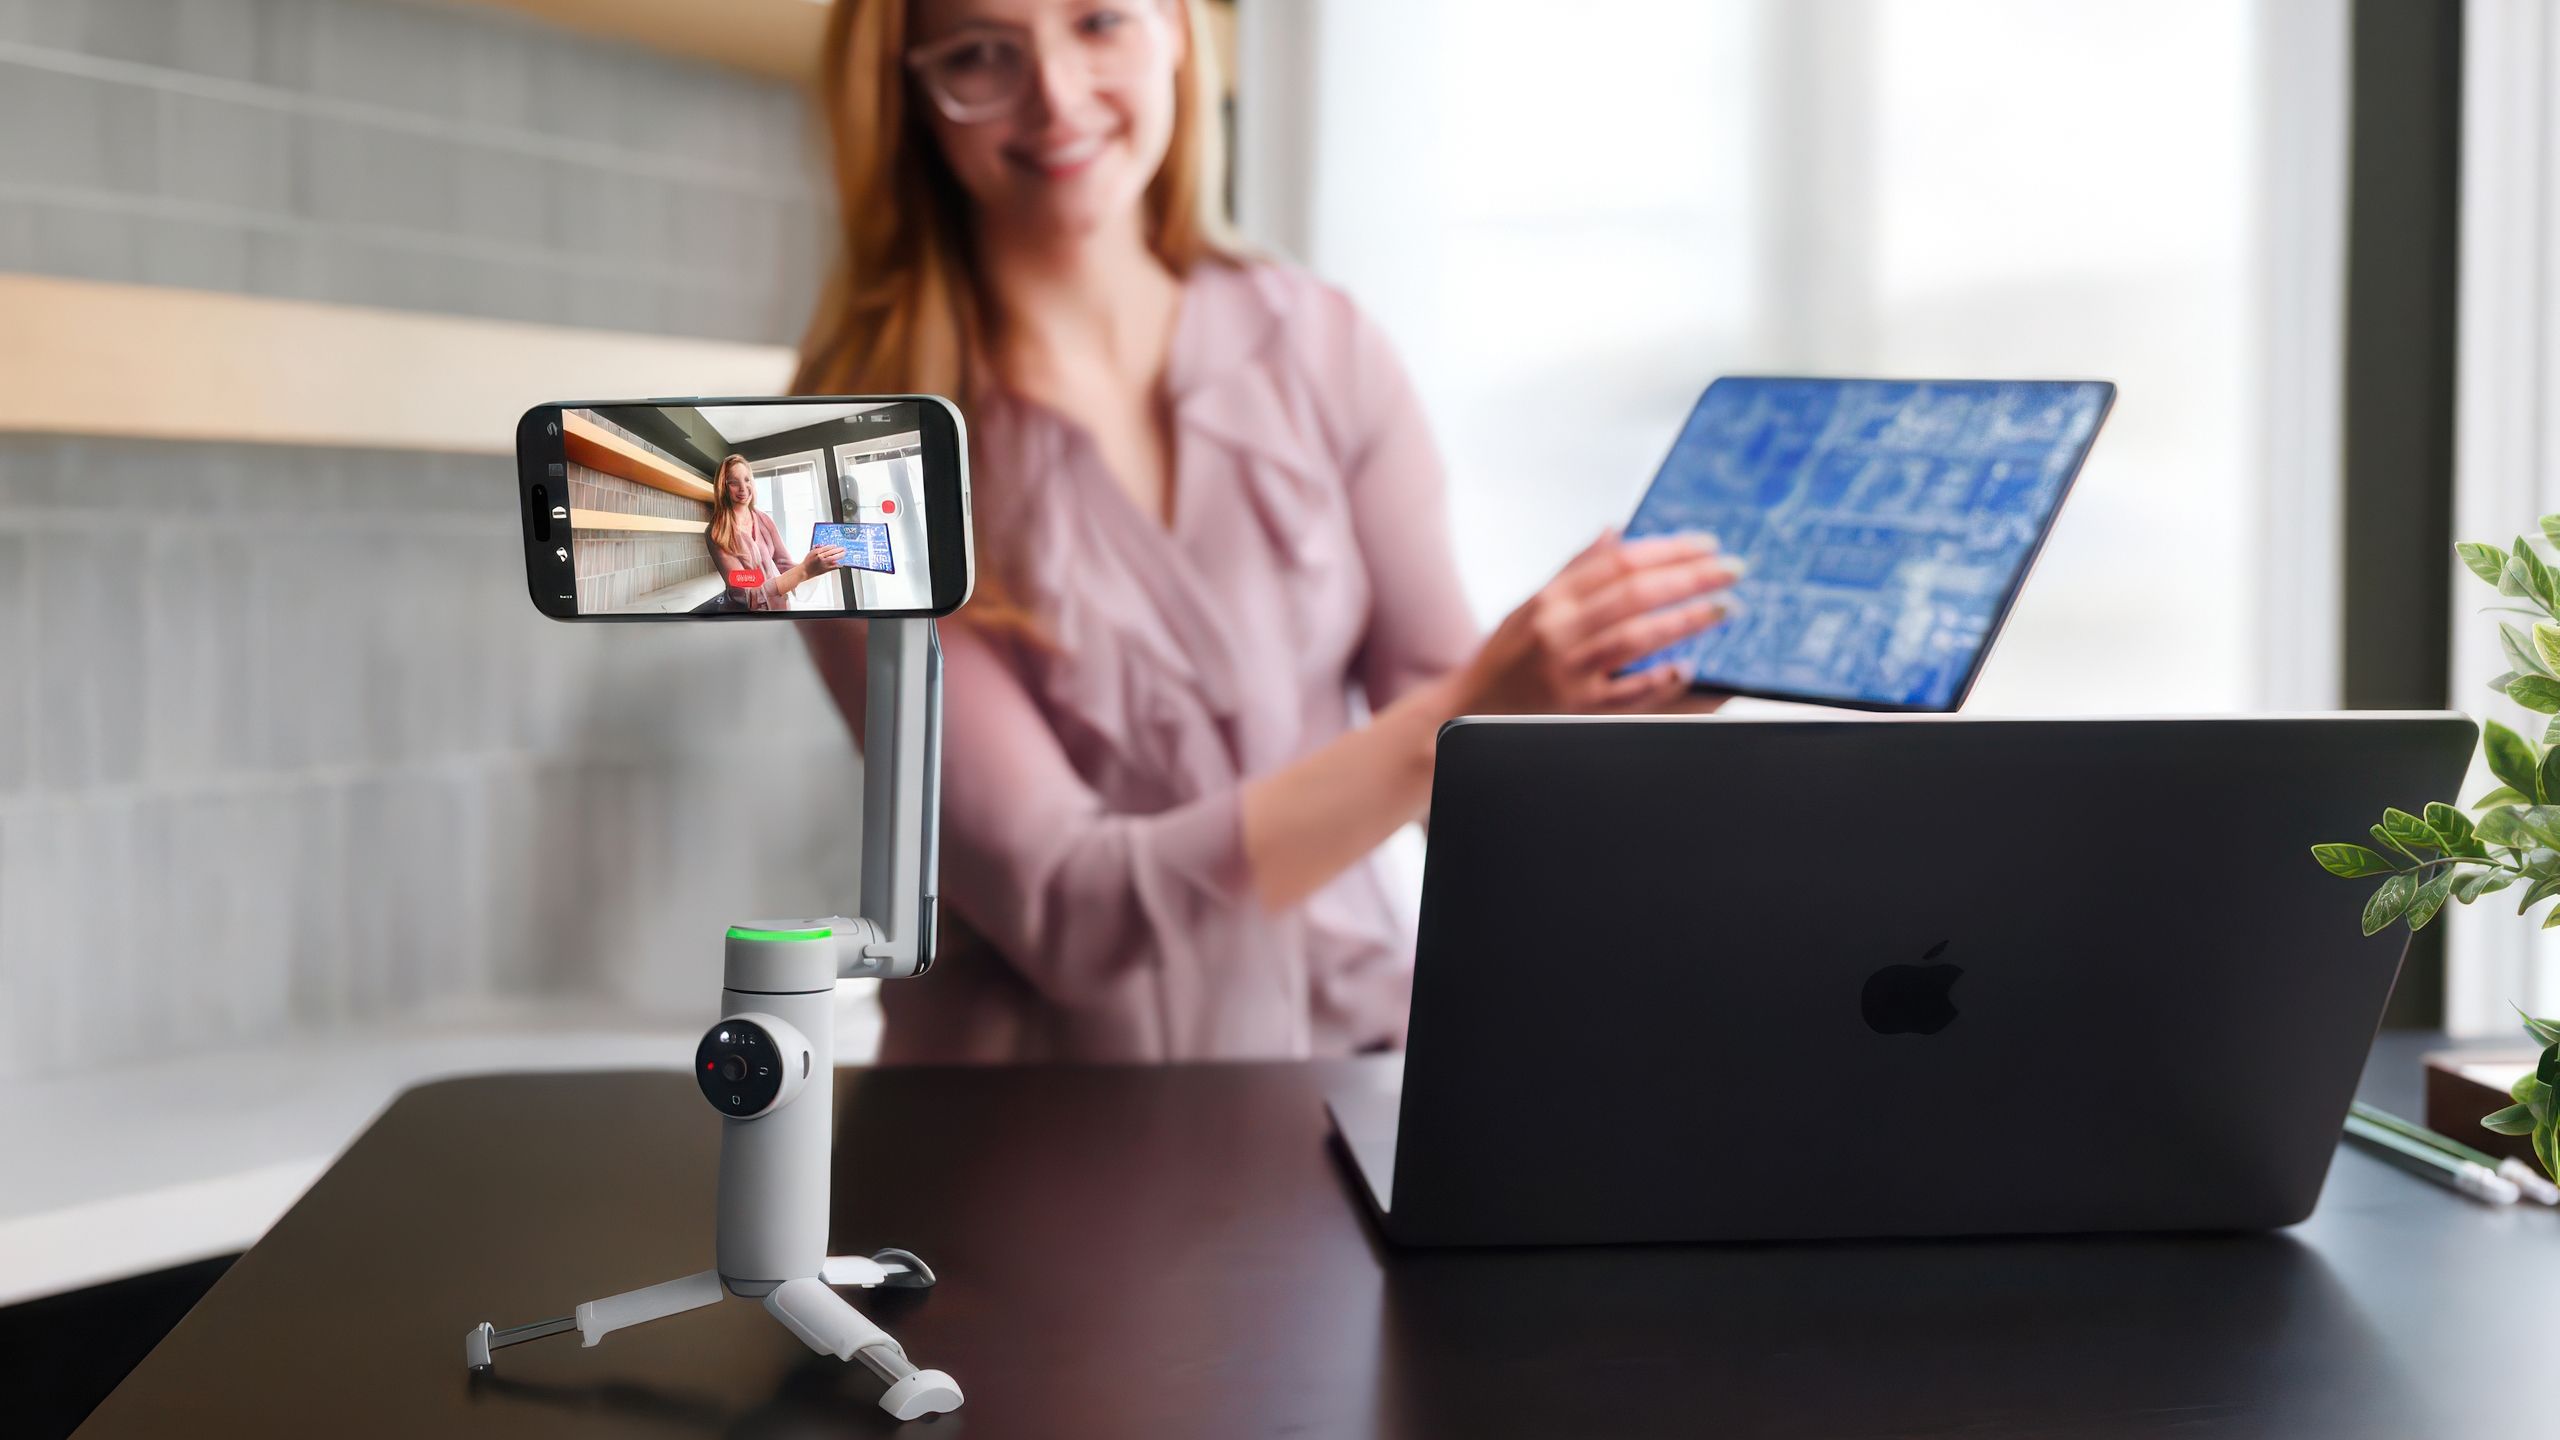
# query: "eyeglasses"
985,71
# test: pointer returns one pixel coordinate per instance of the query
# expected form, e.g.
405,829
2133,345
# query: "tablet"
865,544
1887,526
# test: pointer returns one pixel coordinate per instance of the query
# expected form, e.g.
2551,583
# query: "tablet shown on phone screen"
865,546
1887,526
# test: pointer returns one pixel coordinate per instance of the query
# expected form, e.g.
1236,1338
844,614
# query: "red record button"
888,507
747,579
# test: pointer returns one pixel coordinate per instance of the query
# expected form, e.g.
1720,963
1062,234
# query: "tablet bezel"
2008,595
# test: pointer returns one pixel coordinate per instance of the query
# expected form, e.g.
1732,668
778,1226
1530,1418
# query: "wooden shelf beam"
586,521
779,38
589,444
84,357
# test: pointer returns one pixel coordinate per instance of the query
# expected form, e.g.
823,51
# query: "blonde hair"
724,516
903,308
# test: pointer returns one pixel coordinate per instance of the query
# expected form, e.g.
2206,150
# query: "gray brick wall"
284,744
616,568
595,490
395,152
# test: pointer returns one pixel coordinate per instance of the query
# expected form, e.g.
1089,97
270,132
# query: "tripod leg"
894,1268
826,1324
484,1338
598,1318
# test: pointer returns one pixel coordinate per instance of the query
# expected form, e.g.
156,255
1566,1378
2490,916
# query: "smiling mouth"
1066,159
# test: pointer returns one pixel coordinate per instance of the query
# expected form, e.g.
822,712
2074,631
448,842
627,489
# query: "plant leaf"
2350,860
2431,897
2514,1120
2504,678
2545,1031
2548,1072
2453,828
2411,833
2502,826
2522,659
2505,794
2389,899
2540,890
2389,846
2550,529
2546,644
2538,693
2486,561
2537,574
2551,732
2528,1091
2514,579
2476,883
2511,758
2546,1147
2543,823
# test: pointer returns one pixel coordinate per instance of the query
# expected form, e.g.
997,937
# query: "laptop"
1709,978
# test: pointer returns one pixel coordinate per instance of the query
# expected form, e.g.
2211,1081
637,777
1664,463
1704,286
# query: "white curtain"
2507,425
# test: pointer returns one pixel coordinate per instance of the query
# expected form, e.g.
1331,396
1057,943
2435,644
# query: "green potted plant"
2508,837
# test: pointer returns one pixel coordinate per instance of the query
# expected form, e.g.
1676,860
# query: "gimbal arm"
901,804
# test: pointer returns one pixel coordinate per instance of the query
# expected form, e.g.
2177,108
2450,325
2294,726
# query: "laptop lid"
1711,978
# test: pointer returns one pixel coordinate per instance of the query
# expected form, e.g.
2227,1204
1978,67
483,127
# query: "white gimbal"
768,1066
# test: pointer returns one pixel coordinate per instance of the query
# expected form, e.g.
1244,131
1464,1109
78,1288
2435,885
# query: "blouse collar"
1221,375
1229,319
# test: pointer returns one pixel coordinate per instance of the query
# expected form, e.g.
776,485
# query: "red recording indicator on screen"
888,507
747,579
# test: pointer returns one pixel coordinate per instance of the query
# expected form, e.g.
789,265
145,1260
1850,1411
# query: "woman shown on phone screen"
1218,621
747,547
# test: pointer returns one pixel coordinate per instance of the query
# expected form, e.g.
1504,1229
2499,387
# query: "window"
789,489
1569,226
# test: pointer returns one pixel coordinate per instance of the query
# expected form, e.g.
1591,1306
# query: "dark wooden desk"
1175,1253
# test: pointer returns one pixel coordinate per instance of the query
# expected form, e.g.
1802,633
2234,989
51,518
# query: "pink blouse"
760,550
1096,899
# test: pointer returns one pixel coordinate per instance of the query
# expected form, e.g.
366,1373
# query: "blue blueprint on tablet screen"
1888,525
865,544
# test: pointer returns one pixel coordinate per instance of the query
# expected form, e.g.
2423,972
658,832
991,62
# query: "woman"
1207,512
744,542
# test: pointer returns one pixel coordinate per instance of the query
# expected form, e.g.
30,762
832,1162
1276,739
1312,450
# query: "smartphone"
752,508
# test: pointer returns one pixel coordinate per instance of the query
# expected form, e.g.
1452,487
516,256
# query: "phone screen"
744,508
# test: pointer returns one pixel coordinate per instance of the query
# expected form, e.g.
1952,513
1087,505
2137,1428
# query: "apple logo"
1911,999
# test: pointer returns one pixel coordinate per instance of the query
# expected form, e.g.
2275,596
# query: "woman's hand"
821,560
1612,605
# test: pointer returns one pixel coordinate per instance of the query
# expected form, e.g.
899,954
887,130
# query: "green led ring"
741,932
